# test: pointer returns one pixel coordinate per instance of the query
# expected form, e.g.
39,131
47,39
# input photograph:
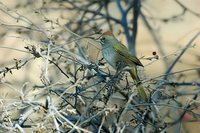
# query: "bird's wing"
123,51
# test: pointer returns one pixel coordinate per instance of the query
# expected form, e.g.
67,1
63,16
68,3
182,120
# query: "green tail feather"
141,91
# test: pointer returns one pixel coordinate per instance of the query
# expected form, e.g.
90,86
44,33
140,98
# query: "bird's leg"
119,68
117,76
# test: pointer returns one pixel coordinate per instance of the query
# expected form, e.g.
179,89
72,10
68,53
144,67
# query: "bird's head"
107,39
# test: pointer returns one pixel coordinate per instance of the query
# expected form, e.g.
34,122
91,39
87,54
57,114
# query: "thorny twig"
81,102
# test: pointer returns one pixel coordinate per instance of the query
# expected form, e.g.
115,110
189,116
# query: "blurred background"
163,34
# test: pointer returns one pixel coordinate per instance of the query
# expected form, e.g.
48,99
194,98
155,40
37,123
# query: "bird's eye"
102,39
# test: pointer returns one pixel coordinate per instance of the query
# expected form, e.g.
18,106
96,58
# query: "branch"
124,24
185,8
179,56
136,13
173,73
154,35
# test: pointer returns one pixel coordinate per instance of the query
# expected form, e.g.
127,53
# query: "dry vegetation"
54,79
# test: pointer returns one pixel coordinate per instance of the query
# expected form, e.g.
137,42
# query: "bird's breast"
110,56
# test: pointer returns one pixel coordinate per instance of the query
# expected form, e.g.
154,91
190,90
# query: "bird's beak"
99,39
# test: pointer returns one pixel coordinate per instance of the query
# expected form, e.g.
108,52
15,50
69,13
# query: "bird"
118,56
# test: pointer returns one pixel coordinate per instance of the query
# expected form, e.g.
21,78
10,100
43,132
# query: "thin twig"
179,56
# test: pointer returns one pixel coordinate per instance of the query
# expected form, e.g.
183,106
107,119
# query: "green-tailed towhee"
118,56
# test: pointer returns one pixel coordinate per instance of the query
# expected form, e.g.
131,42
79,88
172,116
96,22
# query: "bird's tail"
141,91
